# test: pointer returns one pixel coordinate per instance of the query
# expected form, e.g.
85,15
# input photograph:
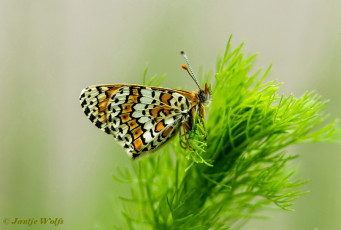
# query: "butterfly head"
205,95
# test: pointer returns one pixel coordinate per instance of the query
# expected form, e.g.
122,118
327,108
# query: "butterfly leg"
181,144
202,117
201,120
184,126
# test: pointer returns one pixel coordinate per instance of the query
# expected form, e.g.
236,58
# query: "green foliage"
240,168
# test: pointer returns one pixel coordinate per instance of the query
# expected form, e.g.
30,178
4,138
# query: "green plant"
240,168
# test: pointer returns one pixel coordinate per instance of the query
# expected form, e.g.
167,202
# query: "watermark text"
33,221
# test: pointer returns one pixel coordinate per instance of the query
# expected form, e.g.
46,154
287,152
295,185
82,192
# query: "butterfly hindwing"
140,118
93,101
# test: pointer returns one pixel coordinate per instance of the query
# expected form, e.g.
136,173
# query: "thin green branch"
239,163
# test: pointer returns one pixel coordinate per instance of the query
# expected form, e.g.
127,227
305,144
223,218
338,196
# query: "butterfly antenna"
189,69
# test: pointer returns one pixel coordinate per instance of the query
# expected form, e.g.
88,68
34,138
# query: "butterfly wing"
94,101
140,118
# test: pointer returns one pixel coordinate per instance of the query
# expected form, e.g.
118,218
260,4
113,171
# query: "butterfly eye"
202,96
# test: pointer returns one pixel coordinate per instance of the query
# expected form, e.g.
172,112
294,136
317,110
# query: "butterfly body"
141,118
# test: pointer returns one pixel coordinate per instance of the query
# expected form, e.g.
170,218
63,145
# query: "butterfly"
142,118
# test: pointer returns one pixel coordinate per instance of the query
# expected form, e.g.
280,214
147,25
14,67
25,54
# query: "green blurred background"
55,163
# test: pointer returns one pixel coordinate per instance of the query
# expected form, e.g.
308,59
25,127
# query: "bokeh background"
55,163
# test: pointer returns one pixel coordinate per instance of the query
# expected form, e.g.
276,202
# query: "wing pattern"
140,118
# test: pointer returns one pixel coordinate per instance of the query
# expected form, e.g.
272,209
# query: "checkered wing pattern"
140,118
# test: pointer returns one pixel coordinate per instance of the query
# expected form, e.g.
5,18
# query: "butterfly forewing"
140,118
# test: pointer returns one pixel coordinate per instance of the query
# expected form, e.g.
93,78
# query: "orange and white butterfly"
142,118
